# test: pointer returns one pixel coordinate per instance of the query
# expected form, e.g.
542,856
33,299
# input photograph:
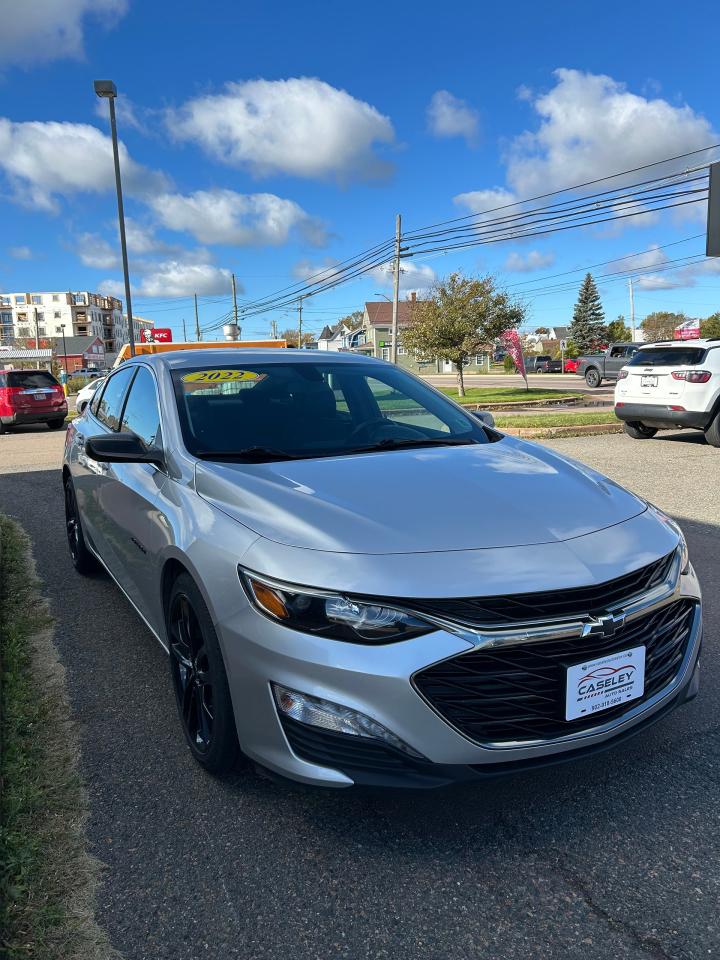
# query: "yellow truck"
147,348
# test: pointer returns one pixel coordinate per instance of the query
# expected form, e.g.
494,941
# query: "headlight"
682,546
330,615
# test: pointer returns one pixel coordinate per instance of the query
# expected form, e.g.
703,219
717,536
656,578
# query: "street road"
616,857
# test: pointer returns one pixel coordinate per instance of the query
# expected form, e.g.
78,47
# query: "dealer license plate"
648,381
597,685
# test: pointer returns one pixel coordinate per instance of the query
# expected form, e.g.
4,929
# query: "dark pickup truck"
597,367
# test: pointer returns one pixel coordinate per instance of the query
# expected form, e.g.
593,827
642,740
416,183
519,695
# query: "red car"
31,396
570,366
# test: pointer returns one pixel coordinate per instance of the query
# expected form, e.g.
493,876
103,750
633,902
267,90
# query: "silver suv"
352,581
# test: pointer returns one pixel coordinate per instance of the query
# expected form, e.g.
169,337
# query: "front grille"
547,605
517,692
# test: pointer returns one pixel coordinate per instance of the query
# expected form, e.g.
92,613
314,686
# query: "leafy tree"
588,328
509,364
542,331
661,324
458,319
353,320
711,326
291,335
618,331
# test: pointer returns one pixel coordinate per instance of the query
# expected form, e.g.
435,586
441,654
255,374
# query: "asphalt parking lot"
614,857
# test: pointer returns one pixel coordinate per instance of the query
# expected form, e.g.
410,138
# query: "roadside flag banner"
690,330
511,341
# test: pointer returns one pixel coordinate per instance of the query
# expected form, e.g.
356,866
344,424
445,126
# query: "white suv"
671,384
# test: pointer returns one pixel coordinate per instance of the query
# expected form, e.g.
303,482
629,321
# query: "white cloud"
487,201
223,216
42,30
176,278
592,126
448,116
533,260
413,276
96,252
21,253
300,126
306,269
652,257
128,114
680,278
42,160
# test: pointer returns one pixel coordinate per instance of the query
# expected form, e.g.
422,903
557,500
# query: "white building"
82,313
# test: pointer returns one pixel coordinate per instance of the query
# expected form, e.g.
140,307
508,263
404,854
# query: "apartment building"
81,313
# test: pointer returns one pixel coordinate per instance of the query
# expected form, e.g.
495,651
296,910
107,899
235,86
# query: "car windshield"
668,357
303,409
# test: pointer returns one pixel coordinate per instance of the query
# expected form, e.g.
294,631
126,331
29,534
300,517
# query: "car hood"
504,494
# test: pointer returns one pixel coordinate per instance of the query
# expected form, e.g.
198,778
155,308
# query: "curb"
580,430
564,401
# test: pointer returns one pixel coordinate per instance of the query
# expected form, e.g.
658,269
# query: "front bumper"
377,682
660,415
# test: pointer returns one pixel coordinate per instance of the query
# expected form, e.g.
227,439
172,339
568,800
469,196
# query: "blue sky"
274,139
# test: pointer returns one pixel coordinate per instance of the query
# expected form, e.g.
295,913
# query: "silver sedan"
359,582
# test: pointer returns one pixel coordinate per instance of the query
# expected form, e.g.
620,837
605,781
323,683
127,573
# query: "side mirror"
487,418
121,448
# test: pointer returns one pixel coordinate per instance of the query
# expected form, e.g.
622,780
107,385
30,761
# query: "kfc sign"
157,335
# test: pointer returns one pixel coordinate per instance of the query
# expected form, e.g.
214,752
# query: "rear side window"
668,357
30,379
141,415
110,405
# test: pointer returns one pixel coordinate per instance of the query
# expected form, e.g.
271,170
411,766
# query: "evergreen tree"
588,328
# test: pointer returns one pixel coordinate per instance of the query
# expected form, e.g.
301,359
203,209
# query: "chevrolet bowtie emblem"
605,625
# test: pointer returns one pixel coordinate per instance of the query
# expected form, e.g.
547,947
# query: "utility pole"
396,292
632,308
184,331
234,293
300,300
198,335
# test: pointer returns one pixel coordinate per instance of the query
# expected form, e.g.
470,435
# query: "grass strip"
557,419
47,878
507,394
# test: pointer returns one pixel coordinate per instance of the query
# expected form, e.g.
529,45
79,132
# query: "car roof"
235,355
703,344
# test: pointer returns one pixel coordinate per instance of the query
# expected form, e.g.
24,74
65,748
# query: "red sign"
157,335
511,341
690,330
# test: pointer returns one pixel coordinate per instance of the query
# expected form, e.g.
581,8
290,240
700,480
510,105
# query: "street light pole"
65,369
108,90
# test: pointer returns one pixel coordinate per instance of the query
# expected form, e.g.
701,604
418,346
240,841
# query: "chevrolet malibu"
359,582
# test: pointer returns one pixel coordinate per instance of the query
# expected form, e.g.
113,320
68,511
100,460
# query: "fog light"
333,716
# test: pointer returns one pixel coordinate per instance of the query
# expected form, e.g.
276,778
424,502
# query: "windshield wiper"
389,444
249,454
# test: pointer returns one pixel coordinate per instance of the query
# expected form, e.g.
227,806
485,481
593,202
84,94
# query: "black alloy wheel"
83,561
199,679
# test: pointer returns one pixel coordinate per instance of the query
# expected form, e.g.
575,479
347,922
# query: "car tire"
638,430
3,428
83,561
199,680
56,424
593,378
712,432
